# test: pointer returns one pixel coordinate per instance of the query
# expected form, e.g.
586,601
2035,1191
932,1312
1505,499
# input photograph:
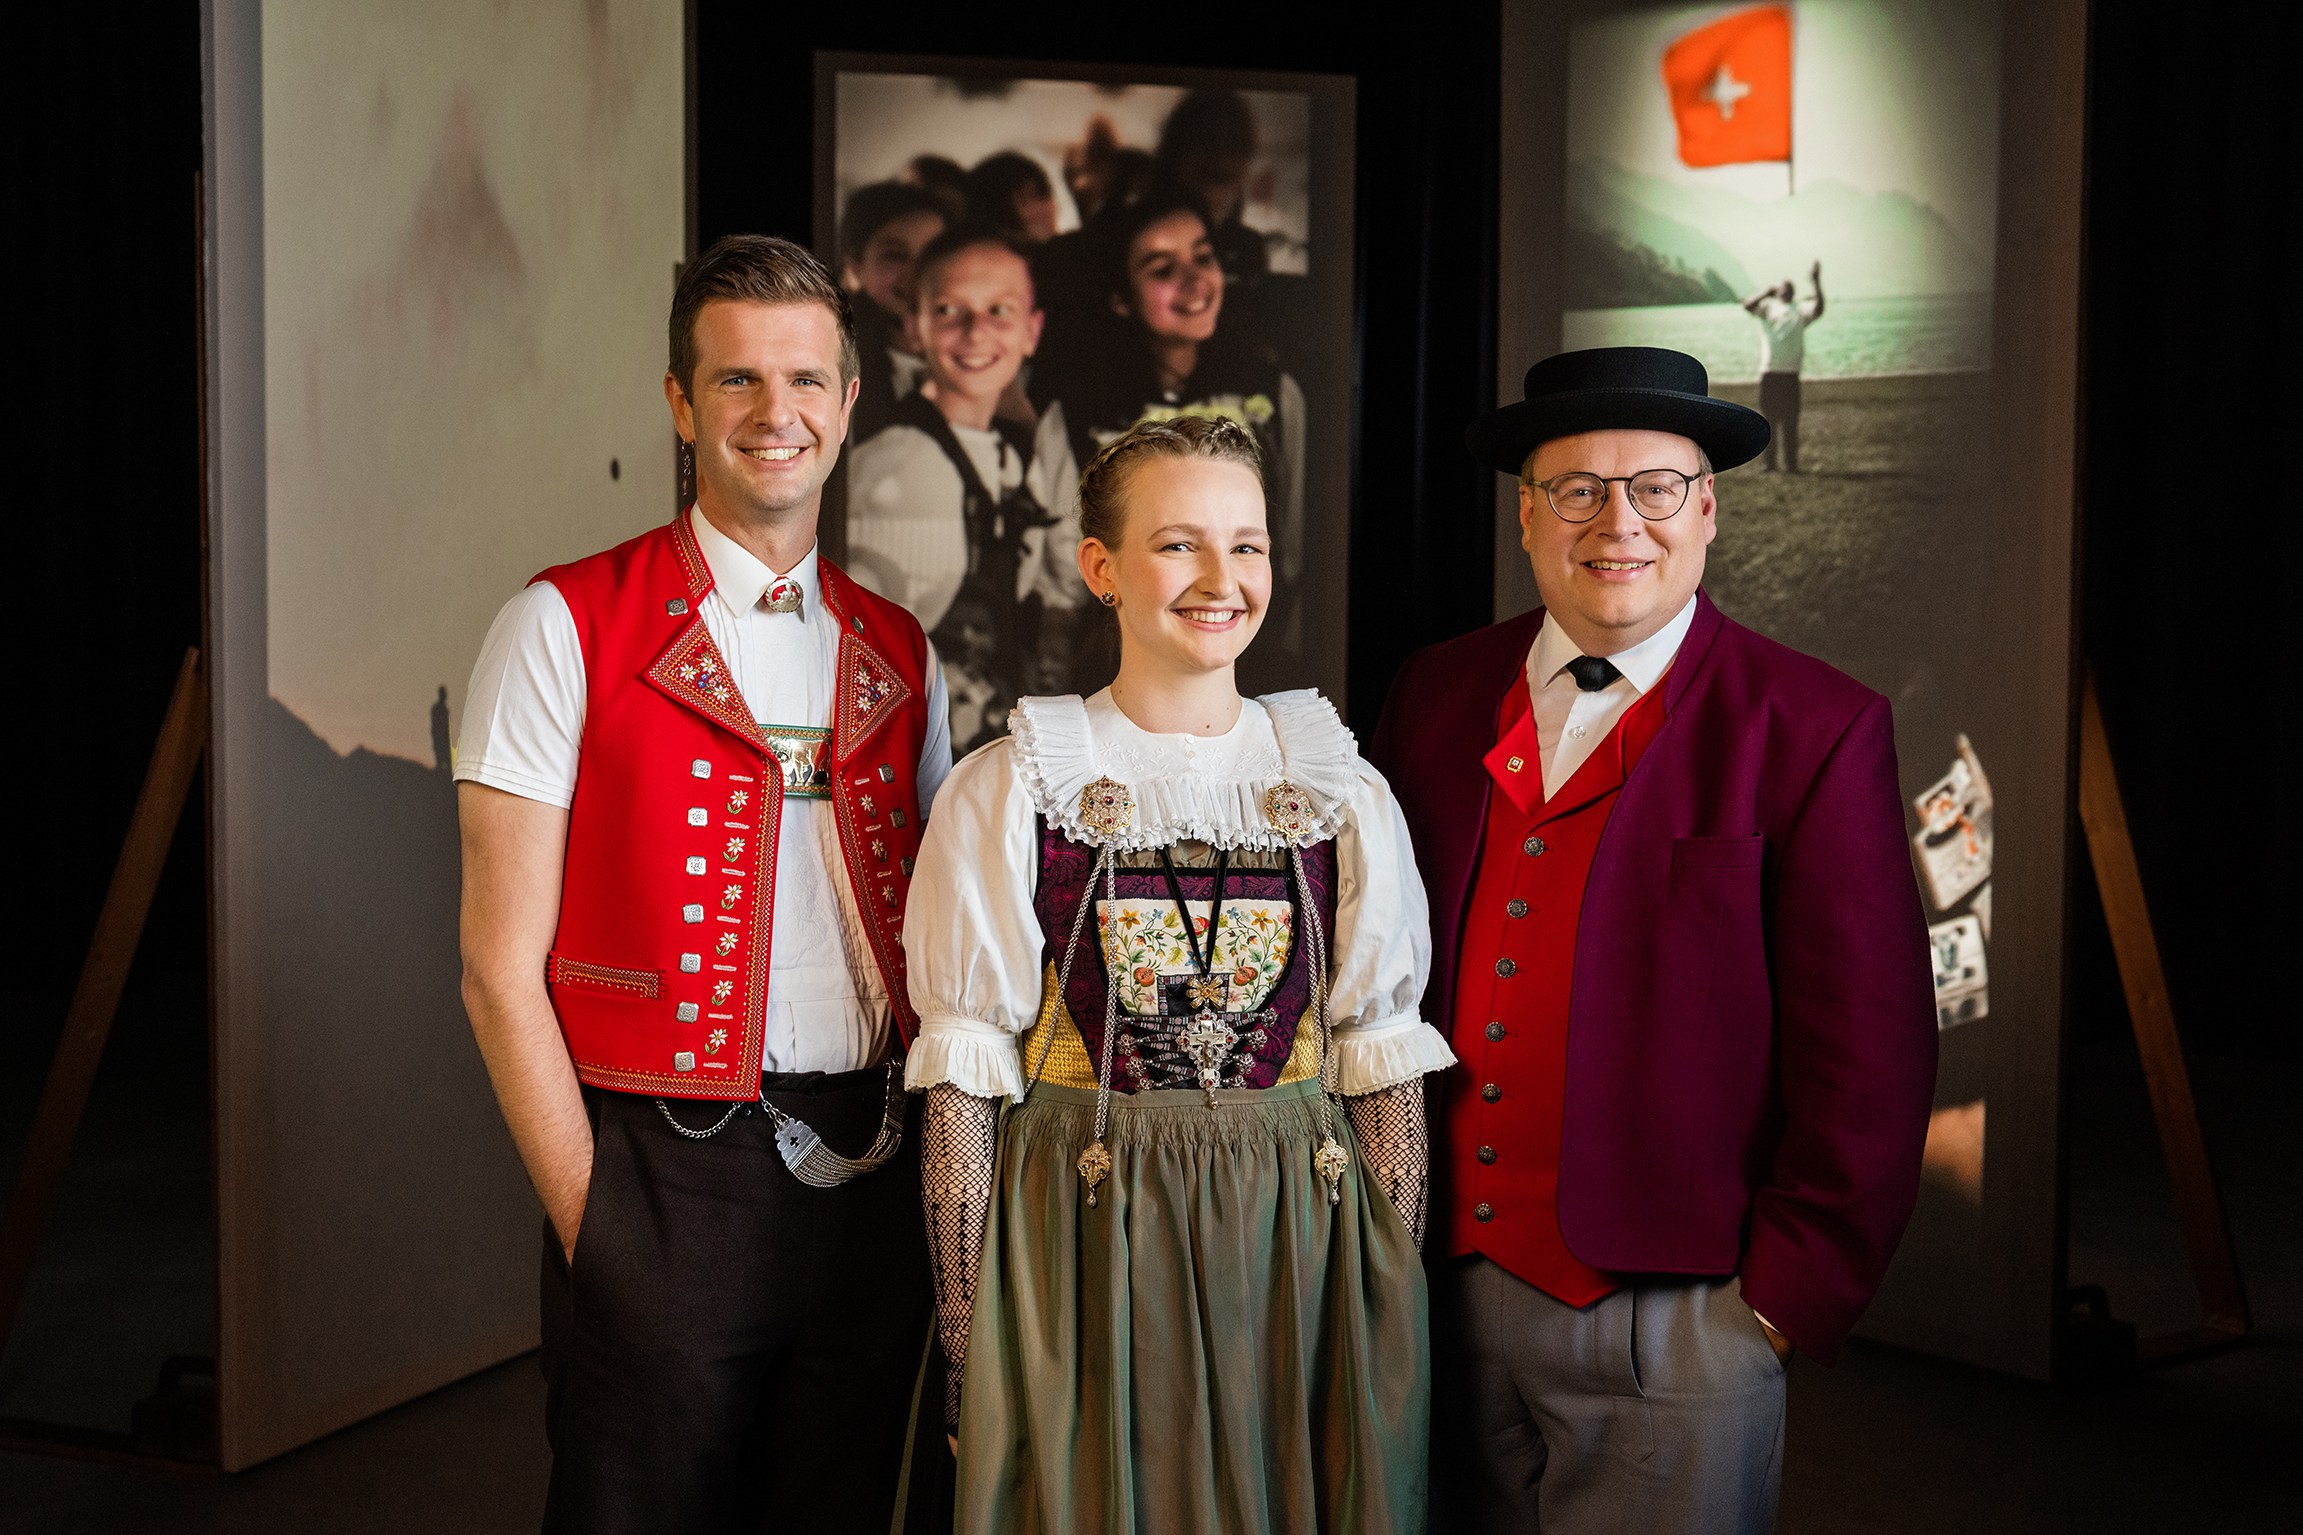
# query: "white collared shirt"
1570,723
827,1009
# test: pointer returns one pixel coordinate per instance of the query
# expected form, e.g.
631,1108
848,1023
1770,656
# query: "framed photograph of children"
1041,256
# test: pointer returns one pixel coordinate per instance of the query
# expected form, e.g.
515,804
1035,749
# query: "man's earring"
1109,599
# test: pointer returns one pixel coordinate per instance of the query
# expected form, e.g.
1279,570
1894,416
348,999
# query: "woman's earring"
1109,599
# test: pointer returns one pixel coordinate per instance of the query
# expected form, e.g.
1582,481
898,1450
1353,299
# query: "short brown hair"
953,241
1103,484
755,269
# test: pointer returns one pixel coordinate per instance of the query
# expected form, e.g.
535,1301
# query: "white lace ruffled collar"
1205,789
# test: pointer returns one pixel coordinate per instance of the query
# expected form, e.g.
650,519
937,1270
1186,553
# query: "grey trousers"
1656,1410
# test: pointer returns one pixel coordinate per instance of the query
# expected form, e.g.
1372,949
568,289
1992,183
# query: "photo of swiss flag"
1730,85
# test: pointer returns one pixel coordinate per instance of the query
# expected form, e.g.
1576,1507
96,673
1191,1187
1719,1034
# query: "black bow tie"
1591,673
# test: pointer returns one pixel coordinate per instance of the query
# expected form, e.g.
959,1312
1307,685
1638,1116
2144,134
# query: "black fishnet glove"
958,1139
1390,1126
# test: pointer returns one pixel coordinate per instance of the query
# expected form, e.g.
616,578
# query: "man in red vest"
693,776
1679,945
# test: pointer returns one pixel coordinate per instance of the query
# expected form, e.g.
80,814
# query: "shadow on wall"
392,1214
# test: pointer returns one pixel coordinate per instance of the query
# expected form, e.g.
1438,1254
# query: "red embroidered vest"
1504,1104
659,970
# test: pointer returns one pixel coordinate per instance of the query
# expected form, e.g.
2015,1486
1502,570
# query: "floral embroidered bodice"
1256,984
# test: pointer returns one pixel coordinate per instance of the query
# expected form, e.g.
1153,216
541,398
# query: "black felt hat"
1608,388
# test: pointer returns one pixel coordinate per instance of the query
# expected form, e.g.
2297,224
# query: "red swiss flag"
1730,85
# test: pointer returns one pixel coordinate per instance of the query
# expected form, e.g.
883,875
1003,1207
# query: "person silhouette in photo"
1783,322
1207,146
1157,345
1680,953
882,232
963,515
443,742
1103,176
942,178
694,775
1099,170
1010,194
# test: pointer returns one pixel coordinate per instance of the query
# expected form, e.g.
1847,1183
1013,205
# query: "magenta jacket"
1751,1032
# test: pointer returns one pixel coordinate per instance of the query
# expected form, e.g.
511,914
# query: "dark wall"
102,450
2190,513
2190,498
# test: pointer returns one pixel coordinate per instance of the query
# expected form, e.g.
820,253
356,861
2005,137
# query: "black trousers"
732,1349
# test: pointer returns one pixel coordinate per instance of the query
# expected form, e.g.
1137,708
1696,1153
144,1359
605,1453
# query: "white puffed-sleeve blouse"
973,941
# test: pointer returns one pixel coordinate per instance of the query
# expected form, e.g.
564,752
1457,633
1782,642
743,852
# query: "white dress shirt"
1570,723
827,1009
972,937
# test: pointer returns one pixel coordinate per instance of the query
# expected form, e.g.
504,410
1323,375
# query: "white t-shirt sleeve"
936,748
524,712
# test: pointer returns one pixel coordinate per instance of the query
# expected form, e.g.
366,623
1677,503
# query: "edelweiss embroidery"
709,677
870,691
693,672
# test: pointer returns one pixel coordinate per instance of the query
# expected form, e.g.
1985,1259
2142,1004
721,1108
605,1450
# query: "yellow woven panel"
1303,1060
1068,1063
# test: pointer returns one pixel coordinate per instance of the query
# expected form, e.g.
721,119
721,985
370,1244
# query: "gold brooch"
1290,811
1095,1166
1107,808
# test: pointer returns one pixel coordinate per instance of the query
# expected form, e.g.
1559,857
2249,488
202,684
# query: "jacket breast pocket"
1717,852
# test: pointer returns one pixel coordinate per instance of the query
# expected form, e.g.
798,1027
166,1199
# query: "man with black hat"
1679,948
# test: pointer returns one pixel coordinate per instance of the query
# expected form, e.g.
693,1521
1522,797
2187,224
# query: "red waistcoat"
1503,1105
659,970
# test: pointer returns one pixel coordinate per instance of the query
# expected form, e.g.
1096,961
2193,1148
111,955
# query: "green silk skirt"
1211,1347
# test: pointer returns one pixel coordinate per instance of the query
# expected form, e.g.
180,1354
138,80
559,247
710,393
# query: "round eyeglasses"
1654,493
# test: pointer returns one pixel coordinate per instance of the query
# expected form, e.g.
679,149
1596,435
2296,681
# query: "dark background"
2189,503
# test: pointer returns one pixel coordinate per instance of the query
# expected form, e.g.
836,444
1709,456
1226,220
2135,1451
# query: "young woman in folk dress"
1175,1156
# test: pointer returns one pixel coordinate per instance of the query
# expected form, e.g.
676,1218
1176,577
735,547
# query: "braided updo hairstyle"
1103,484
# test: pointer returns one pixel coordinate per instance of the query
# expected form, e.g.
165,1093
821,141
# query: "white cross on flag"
1730,85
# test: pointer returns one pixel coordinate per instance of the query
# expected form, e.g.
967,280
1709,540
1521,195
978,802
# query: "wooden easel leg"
2214,1262
183,736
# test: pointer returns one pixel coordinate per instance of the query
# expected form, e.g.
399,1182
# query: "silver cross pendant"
1207,1042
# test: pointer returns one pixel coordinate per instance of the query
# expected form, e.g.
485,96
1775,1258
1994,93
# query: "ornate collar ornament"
1081,759
1291,813
782,596
1107,808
